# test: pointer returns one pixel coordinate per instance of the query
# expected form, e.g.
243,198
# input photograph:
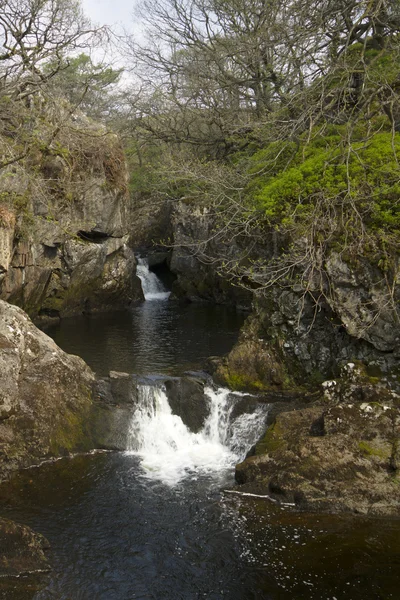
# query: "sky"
110,12
119,15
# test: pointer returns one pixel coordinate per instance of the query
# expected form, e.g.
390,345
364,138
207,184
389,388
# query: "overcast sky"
119,14
110,12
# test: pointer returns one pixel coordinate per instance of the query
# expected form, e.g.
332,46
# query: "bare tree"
308,92
35,36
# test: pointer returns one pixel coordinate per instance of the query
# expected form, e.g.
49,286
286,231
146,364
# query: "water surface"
120,529
118,535
152,337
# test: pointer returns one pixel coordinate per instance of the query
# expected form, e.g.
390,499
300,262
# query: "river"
158,521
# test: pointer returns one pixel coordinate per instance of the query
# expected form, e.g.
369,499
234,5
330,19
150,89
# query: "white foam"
170,451
153,288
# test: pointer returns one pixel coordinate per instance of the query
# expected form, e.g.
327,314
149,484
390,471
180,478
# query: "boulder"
252,365
22,551
340,454
115,397
187,400
46,395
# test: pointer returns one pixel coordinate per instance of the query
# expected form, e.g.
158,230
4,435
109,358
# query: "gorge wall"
64,227
328,364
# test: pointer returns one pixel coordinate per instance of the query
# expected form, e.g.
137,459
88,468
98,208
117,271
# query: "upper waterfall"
152,286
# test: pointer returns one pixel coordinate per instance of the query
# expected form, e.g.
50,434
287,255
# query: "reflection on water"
317,557
116,535
152,337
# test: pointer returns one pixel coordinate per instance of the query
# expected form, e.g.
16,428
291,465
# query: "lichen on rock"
339,454
46,395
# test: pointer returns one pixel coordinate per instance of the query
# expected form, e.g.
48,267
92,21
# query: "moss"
341,163
369,450
272,441
240,382
68,435
73,431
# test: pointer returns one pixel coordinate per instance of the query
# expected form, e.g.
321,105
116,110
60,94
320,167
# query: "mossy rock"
253,365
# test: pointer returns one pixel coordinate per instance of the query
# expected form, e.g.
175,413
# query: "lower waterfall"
169,451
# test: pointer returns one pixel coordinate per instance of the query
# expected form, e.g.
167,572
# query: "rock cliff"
64,226
337,450
46,395
192,259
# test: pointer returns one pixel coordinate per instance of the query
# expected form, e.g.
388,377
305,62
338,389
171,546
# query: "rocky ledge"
22,551
338,454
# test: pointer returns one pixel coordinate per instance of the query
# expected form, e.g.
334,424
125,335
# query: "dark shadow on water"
116,535
152,337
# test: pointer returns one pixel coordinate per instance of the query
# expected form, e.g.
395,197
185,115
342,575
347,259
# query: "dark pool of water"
116,535
152,337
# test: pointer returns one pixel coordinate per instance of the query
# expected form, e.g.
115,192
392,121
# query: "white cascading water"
153,288
170,451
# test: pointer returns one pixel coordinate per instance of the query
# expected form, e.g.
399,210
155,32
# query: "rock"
195,245
22,551
115,397
157,259
110,426
187,400
340,455
243,405
7,230
362,299
46,395
150,223
251,366
71,252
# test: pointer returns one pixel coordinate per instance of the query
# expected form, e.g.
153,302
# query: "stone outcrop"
151,225
293,339
191,261
64,230
187,400
46,395
365,302
340,454
22,552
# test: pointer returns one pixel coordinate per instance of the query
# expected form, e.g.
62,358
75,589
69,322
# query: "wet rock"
244,405
46,395
115,398
123,387
337,455
187,400
22,551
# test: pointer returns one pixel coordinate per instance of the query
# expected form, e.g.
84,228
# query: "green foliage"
84,83
361,174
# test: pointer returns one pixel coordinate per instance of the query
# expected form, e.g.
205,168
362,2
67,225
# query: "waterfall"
153,288
170,451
